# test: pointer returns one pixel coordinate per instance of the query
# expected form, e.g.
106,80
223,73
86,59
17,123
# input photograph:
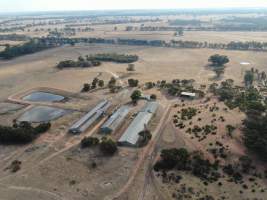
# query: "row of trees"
32,46
95,83
114,57
39,44
14,37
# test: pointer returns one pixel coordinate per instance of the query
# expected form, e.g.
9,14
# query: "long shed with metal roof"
131,136
87,120
115,120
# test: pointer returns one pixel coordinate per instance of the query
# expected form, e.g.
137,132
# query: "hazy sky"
52,5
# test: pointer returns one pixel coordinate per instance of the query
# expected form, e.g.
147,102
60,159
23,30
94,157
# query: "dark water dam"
42,114
43,96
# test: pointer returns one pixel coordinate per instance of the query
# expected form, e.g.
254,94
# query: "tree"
153,96
136,96
94,83
86,87
145,137
133,82
112,82
89,141
219,71
101,83
218,60
108,146
249,78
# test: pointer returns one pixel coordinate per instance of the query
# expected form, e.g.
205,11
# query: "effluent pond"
39,114
43,96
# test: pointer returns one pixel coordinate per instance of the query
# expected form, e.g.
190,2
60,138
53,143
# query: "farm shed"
131,136
115,120
82,124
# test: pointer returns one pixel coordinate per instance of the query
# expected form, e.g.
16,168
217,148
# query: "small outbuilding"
188,95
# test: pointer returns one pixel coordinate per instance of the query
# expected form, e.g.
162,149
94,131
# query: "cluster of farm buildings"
130,136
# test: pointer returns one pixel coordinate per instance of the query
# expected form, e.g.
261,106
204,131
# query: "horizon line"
136,9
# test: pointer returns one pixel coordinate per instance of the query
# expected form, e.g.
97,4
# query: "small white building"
188,95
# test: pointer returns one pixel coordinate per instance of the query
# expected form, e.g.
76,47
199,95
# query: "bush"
136,96
86,87
108,147
89,142
145,137
133,82
153,97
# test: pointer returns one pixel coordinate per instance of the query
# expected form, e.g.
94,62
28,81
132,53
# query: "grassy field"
39,69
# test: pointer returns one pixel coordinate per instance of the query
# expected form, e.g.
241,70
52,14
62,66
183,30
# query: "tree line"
39,44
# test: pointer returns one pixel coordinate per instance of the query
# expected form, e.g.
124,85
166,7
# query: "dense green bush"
89,142
255,135
108,146
133,82
21,133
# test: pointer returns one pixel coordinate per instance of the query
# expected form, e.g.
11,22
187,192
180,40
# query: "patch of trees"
209,172
182,160
95,83
177,86
21,133
81,62
254,75
106,145
112,85
113,57
255,134
247,99
188,113
34,45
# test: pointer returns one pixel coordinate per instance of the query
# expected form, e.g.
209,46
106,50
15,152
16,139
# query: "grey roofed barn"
88,119
150,107
115,120
131,135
